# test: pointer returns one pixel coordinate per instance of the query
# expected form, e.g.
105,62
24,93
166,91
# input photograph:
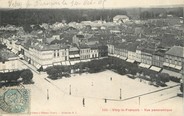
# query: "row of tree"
37,16
24,76
111,63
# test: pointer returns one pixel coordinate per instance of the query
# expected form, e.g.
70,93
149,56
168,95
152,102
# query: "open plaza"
101,93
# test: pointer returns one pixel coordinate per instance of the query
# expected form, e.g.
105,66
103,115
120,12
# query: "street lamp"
120,94
70,90
47,94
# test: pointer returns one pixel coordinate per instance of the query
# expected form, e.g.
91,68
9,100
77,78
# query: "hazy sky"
87,3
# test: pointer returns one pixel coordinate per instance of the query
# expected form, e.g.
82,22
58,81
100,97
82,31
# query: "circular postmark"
15,101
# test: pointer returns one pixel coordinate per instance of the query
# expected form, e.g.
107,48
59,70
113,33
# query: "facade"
158,58
94,51
84,52
138,55
74,53
81,38
45,55
174,58
102,50
110,48
146,56
121,51
131,48
8,61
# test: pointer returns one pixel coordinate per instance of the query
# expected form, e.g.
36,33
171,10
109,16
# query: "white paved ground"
94,88
51,97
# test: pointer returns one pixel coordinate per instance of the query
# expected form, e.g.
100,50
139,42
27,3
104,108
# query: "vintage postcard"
91,57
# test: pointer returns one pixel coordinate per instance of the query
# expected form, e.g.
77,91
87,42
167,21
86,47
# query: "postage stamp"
15,100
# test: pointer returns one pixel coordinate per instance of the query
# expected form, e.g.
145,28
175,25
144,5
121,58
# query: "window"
58,54
166,60
179,63
176,62
54,54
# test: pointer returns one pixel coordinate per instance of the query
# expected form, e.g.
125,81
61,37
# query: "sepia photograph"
91,58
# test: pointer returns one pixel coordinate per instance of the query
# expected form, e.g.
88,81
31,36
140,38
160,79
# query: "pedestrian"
111,78
105,100
83,102
47,94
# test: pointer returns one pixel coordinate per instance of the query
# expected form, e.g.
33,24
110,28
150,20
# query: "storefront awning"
85,60
21,56
72,63
123,58
45,66
118,56
67,63
154,68
71,56
57,63
77,55
178,67
38,66
63,63
144,65
166,64
130,60
172,65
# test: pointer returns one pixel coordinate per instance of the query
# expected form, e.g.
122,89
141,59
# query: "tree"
26,75
164,77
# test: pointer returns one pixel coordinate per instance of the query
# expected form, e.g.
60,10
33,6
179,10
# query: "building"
110,48
146,57
138,54
120,50
131,48
120,19
81,38
174,58
158,58
74,53
84,52
102,50
42,55
94,53
9,61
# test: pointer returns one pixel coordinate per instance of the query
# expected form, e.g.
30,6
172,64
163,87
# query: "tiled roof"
132,46
160,53
176,51
44,47
83,46
148,50
73,49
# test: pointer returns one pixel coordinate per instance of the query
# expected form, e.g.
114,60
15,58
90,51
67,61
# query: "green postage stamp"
15,100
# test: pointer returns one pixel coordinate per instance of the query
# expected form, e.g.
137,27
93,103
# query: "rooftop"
176,51
6,55
73,49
